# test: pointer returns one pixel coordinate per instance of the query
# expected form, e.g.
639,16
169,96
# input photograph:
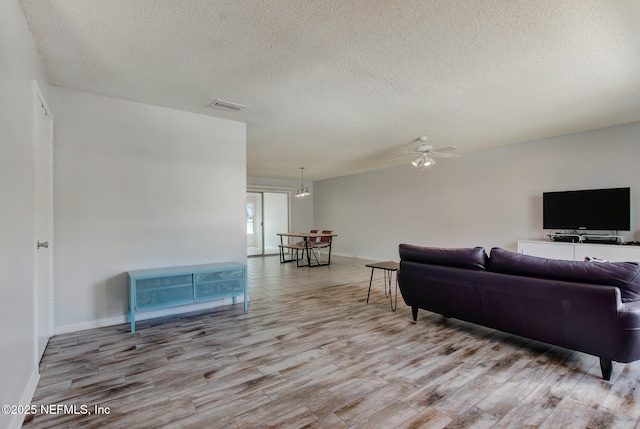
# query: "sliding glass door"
267,215
254,224
276,219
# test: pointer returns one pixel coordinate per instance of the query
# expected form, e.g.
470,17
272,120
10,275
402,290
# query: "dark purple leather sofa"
592,307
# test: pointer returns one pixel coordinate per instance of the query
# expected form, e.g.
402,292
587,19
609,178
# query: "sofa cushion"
469,258
623,275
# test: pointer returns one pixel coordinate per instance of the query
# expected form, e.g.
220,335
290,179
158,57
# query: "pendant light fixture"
302,192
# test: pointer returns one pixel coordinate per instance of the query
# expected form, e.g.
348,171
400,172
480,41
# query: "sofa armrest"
629,331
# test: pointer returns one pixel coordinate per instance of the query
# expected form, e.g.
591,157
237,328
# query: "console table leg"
414,312
132,305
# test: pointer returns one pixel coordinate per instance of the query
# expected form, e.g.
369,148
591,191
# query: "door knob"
44,244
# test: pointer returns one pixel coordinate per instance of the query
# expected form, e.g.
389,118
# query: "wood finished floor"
311,353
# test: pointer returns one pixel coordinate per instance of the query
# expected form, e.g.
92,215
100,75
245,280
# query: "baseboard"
351,255
27,395
111,321
100,323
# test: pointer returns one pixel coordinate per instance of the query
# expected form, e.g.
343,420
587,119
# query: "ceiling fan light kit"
424,161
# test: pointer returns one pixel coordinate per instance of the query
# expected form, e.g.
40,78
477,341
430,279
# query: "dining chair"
313,240
323,241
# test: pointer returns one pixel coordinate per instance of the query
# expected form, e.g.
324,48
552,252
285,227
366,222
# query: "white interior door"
43,221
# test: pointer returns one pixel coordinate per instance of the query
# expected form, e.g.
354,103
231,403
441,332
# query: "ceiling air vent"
227,105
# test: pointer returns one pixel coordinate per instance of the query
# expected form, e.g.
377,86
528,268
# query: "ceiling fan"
425,154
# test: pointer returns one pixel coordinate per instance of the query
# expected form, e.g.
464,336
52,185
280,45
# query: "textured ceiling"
339,86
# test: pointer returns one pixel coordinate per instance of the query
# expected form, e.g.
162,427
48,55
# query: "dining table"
307,248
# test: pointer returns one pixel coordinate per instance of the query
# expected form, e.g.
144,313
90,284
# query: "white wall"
487,198
19,64
138,186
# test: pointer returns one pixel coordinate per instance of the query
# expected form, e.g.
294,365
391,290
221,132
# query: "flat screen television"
591,209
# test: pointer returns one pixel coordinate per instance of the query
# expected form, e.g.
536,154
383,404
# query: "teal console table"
159,288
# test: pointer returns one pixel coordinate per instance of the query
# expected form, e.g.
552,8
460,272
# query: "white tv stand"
578,251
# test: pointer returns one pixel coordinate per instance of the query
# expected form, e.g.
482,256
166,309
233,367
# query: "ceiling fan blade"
447,149
446,155
401,157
